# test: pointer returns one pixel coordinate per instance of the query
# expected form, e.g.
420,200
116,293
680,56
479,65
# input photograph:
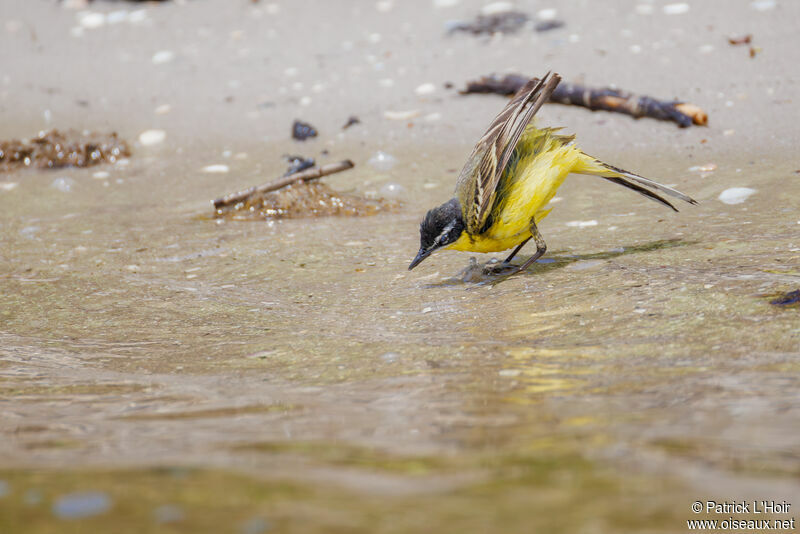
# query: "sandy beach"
165,371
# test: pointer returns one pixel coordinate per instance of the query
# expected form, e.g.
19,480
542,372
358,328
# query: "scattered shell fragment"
100,175
708,167
496,7
8,186
401,115
676,9
216,169
736,195
445,3
152,137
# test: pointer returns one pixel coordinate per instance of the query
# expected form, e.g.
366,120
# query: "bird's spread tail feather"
594,167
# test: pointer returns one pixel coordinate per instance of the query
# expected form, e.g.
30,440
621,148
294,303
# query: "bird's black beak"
421,255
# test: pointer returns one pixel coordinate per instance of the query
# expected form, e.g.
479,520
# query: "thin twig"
607,99
306,175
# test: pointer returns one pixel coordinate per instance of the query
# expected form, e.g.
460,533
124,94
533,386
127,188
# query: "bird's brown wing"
478,180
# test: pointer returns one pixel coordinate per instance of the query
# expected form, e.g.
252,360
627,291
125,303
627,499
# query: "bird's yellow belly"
524,198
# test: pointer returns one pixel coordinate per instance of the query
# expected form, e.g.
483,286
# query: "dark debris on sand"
55,149
791,298
298,164
302,130
504,22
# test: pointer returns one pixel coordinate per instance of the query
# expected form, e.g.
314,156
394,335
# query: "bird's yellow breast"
541,162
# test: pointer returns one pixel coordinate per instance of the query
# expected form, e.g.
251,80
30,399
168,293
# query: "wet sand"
293,375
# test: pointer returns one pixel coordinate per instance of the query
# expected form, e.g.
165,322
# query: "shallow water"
293,375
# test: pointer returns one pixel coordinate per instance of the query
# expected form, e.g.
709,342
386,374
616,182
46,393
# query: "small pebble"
736,195
547,14
163,56
582,224
445,3
216,169
675,9
382,161
425,89
80,505
63,184
92,20
152,137
133,268
303,130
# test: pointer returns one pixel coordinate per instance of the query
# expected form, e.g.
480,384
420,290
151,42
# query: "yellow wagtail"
514,170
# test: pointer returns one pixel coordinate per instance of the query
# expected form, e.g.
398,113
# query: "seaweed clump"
304,199
54,149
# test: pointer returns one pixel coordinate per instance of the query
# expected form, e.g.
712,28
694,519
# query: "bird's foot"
494,268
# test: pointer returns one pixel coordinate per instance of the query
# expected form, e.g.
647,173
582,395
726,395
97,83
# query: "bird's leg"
519,247
541,246
498,268
510,270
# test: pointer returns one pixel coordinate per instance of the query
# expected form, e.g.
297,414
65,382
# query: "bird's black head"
441,226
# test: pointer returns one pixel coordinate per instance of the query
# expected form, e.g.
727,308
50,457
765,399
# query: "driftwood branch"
306,175
606,99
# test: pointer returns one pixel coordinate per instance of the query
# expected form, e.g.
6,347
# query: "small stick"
306,175
607,99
